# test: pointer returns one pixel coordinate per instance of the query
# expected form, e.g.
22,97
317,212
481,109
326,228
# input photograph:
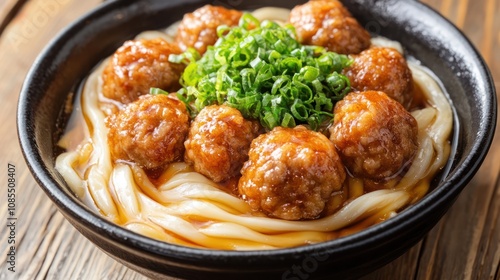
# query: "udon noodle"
186,208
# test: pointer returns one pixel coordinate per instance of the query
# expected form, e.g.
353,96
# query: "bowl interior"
424,34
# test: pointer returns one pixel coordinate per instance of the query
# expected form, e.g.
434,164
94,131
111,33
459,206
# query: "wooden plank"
8,10
486,264
402,268
491,42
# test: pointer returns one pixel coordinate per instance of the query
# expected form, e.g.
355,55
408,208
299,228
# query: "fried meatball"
329,24
382,69
291,173
375,136
199,29
149,131
218,142
139,65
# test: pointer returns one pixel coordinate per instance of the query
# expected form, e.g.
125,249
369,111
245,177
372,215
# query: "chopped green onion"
154,91
262,70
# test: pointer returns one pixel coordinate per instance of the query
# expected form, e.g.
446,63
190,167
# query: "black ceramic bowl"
424,34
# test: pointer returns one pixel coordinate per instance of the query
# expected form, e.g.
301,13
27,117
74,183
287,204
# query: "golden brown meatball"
218,142
382,69
375,136
139,65
329,24
199,29
291,173
149,131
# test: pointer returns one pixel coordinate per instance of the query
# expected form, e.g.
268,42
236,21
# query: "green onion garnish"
261,69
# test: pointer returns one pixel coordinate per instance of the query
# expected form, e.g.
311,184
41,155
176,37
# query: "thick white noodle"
65,164
383,42
279,15
153,34
435,124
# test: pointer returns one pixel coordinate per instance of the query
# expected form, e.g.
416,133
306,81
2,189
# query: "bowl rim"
70,205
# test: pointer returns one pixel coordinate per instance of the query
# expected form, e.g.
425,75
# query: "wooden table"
464,245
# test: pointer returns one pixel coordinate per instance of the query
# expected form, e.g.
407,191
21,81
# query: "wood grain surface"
464,245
